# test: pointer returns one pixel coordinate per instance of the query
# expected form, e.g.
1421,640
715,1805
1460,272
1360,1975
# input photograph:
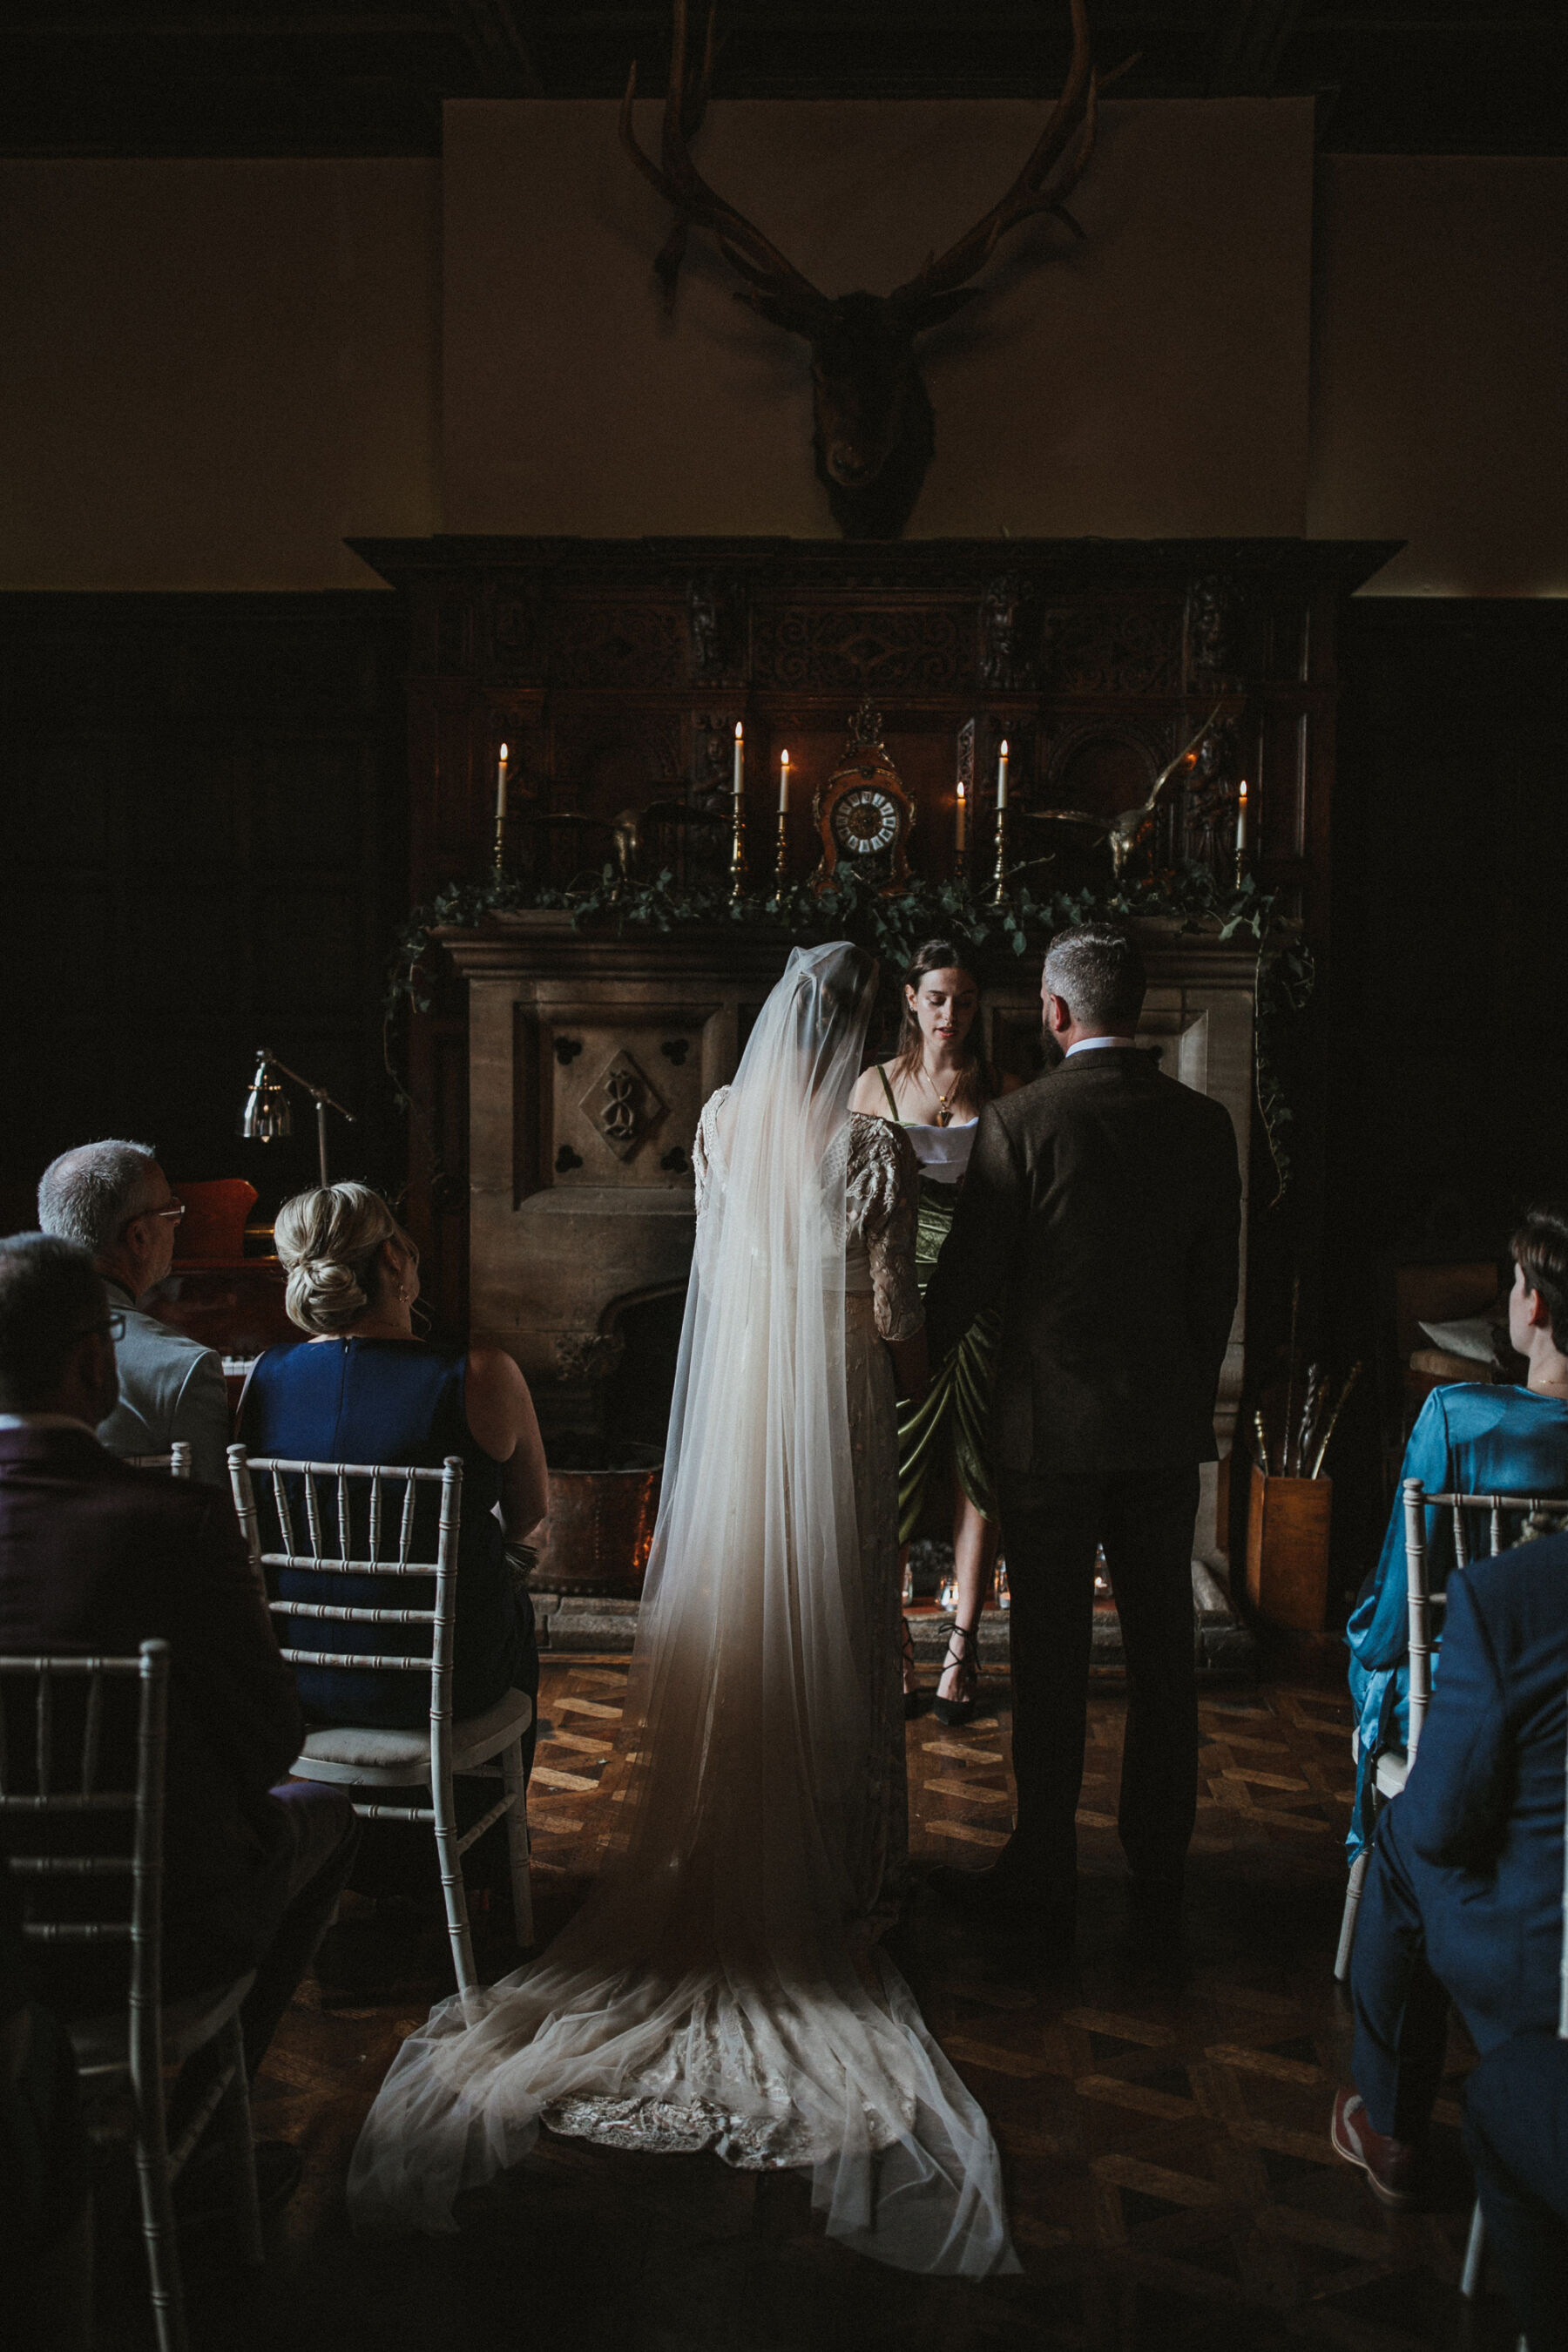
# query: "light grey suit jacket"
169,1387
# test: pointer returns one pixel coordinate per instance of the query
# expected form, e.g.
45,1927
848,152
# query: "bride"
722,1987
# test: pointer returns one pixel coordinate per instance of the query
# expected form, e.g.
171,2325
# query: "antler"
1068,141
769,276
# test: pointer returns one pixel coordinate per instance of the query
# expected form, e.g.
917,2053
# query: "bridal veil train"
720,1987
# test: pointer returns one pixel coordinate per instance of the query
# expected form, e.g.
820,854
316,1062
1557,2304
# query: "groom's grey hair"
1097,969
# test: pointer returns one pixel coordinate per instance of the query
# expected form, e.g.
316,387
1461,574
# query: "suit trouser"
1050,1528
1516,2131
1401,2010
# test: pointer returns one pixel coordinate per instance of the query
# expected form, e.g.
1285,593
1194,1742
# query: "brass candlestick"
1000,892
738,849
498,859
781,858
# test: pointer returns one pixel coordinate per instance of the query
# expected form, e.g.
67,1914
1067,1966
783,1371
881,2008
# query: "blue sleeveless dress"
398,1402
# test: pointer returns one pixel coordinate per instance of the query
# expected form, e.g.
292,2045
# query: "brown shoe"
1390,2165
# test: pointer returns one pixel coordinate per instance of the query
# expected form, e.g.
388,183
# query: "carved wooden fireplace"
560,1074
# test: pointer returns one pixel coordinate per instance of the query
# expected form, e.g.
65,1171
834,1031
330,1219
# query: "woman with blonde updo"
363,1387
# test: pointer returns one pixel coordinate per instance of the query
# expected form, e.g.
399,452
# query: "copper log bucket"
596,1538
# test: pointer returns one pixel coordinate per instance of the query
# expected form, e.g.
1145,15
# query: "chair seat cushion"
357,1746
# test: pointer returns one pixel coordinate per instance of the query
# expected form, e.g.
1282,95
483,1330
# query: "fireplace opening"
637,1394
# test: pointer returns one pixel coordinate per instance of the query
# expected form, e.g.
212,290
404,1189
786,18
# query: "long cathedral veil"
718,1987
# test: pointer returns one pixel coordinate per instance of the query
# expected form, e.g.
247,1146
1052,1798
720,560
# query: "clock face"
865,820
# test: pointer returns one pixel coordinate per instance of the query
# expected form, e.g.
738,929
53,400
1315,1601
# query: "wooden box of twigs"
1288,1549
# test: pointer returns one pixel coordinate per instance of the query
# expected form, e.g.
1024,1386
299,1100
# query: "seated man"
98,1555
1516,2130
1469,1439
113,1200
1463,1898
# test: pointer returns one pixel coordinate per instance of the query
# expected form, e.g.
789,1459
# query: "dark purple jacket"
98,1555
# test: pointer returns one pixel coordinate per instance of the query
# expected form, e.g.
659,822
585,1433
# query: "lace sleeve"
883,1201
703,1143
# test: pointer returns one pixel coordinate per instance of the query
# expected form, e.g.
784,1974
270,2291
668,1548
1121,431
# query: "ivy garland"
891,929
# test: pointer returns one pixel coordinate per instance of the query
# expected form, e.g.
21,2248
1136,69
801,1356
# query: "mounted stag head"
875,432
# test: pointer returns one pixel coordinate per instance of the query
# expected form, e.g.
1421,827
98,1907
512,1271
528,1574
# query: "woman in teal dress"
1470,1439
933,1088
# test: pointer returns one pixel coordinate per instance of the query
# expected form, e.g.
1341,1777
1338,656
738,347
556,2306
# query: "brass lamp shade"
268,1116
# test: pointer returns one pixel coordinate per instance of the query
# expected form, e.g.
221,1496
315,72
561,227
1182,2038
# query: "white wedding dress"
722,1987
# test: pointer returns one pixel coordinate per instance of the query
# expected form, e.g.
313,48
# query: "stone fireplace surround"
590,1060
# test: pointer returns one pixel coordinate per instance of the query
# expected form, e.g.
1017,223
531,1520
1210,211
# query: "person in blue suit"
1516,2131
1469,1439
1463,1899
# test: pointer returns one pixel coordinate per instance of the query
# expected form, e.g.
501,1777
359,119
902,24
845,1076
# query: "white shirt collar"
1090,1044
44,1421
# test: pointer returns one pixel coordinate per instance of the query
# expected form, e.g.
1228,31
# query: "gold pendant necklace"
943,1115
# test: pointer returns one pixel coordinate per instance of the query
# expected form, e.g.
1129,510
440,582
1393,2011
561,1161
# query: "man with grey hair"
1101,1213
112,1200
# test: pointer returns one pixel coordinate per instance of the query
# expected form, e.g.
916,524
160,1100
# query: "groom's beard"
1052,1049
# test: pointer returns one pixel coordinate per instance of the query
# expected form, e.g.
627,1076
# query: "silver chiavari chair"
80,1836
342,1505
176,1462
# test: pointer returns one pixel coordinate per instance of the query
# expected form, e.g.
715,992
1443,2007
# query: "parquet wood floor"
1164,2122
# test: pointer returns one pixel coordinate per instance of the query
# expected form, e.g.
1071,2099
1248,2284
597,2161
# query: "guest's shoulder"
149,1343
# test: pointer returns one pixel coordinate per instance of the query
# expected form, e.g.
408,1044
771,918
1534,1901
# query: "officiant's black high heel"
967,1673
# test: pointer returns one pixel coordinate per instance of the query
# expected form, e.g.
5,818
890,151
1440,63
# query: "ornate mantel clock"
863,811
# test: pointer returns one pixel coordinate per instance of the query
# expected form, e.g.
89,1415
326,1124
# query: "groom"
1102,1212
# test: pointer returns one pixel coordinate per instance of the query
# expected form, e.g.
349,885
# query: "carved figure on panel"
710,619
1209,811
874,428
1211,630
1009,633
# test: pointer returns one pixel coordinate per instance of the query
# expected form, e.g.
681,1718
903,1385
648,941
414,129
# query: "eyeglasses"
171,1214
113,1323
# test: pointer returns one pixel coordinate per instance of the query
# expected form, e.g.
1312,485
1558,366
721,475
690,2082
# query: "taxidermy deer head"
874,428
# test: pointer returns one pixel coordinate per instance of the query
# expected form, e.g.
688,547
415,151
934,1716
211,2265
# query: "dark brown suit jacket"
98,1555
1101,1214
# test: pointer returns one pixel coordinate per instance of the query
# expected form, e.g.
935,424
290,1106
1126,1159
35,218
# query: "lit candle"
1002,778
740,748
500,783
1241,816
963,834
784,783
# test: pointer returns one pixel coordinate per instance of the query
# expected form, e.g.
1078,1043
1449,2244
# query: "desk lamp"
269,1115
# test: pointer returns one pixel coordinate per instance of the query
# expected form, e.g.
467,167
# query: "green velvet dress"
952,1425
